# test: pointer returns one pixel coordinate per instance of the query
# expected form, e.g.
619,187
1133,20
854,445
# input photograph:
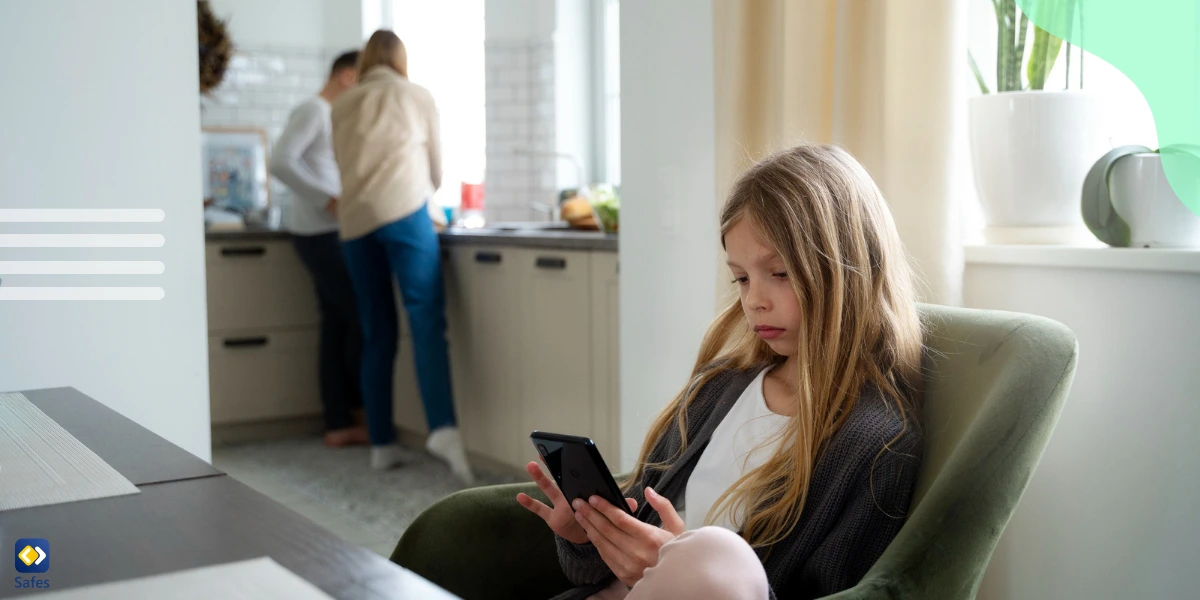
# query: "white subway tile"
246,78
253,116
274,64
239,62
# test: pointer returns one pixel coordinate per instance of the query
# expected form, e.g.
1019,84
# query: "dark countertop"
249,232
529,238
532,238
135,452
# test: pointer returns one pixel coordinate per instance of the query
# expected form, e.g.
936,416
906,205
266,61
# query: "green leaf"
1042,58
978,75
1020,52
1006,25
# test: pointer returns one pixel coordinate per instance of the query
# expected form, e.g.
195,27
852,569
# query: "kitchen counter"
531,238
455,236
247,233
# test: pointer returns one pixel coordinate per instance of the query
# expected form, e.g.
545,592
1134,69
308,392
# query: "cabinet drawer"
257,284
256,376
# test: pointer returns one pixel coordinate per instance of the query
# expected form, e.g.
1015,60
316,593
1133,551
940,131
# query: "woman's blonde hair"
819,209
384,48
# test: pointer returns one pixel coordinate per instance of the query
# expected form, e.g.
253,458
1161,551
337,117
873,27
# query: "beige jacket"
385,140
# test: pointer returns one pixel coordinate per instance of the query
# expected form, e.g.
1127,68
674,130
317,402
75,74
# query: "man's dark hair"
348,60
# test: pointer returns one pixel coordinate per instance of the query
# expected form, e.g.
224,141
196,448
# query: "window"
444,40
608,86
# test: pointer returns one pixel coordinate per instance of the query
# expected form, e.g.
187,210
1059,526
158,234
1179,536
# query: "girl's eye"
780,275
741,280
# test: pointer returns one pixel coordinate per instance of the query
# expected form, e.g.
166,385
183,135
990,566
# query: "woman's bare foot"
350,436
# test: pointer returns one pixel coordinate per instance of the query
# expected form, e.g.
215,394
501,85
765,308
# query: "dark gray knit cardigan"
856,504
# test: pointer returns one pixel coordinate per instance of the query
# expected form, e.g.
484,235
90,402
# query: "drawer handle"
246,342
551,262
244,251
492,258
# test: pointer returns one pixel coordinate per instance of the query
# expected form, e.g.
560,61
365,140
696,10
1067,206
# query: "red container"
472,196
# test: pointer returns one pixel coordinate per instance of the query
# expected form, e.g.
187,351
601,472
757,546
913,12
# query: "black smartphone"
577,467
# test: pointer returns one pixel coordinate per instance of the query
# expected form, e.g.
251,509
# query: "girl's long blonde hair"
819,209
383,48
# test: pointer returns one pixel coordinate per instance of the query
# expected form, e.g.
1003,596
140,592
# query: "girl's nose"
756,299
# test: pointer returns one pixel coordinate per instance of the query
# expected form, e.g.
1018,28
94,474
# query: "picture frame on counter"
234,169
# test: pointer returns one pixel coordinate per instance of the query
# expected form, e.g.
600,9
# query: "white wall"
669,233
1111,510
343,25
287,23
333,24
519,20
106,116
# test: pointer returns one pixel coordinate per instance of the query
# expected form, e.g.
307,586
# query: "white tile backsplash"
260,90
264,85
520,115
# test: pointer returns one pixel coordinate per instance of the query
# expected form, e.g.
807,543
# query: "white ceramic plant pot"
1142,197
1031,151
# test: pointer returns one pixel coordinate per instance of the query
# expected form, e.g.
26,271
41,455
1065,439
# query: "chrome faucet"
552,210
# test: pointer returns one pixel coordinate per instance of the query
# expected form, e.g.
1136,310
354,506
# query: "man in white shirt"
303,160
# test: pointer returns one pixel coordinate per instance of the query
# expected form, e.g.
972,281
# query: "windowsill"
1173,260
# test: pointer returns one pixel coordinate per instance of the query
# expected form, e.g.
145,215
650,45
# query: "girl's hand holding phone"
627,545
560,518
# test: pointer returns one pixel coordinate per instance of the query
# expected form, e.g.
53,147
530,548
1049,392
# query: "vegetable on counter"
607,206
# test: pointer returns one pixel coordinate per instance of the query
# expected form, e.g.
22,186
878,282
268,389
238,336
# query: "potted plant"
1031,147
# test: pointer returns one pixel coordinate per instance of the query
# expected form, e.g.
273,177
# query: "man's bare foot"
350,436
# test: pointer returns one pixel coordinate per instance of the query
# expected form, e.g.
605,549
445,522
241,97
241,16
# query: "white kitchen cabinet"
606,354
484,290
533,346
263,332
532,335
257,283
557,357
263,375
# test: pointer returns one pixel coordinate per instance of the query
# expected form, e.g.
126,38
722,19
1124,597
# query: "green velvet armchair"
995,385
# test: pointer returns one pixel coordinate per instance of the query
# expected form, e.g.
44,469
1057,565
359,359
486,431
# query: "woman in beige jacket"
385,139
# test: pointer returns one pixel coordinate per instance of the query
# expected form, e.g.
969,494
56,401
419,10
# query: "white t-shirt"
738,446
303,160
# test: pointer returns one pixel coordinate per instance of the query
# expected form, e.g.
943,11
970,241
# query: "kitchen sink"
529,225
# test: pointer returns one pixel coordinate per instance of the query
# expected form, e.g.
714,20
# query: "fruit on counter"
588,223
575,209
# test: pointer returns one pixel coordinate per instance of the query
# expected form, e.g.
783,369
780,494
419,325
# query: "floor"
337,490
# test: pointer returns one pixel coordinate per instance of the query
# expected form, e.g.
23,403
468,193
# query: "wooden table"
187,515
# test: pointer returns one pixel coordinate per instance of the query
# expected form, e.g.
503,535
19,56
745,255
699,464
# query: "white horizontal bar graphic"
81,215
81,267
81,293
81,240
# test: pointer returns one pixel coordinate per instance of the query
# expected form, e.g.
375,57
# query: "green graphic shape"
1156,44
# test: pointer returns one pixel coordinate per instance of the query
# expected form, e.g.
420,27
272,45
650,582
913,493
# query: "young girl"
798,427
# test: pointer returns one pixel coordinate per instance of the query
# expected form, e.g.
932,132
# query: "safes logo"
31,555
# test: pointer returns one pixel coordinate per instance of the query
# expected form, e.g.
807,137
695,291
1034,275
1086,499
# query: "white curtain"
879,77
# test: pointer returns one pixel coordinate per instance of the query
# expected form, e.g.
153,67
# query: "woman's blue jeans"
407,250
